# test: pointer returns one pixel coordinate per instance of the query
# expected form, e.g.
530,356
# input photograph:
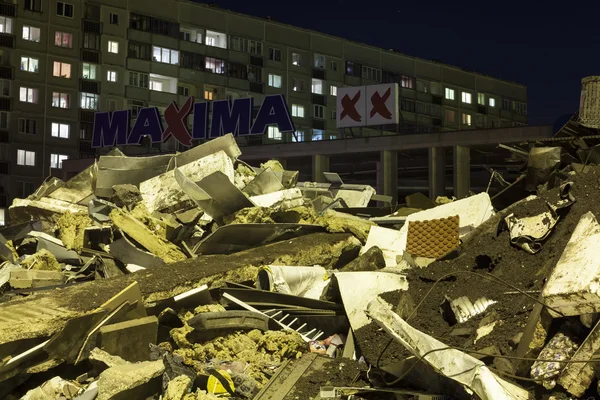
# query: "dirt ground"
494,254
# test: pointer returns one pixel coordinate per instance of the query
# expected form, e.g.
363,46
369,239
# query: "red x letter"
349,106
176,122
379,106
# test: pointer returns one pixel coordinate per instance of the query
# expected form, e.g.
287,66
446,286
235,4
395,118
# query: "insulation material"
433,238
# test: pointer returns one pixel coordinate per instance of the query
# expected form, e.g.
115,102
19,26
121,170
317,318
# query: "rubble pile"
197,276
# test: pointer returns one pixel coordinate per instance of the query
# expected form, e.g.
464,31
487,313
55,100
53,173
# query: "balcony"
4,137
318,73
319,99
91,56
257,87
91,26
256,61
88,86
85,146
86,116
10,10
7,40
6,72
436,100
318,124
481,109
5,104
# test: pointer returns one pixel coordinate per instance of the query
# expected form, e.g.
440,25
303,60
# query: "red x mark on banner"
379,106
176,122
349,107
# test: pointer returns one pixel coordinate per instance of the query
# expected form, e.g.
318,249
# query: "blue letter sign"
228,116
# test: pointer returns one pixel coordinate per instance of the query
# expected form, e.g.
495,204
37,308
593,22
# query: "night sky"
548,49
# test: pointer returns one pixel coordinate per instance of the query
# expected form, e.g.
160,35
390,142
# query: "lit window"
492,102
215,65
27,126
25,157
275,80
296,59
317,134
164,55
31,33
113,47
298,136
60,130
450,116
334,66
274,54
89,71
156,84
273,133
481,99
28,95
29,64
62,70
407,82
317,86
111,76
63,39
114,19
5,24
216,39
2,216
297,85
297,111
318,111
64,9
56,160
89,101
60,100
333,90
466,119
466,97
208,95
449,94
319,61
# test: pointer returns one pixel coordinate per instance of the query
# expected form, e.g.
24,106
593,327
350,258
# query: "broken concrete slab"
371,260
53,308
126,196
102,360
163,193
44,209
31,279
178,388
131,381
573,288
158,246
130,340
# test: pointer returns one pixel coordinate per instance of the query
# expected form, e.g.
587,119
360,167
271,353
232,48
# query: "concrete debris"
196,276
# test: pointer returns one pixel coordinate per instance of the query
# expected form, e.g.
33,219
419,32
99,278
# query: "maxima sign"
228,116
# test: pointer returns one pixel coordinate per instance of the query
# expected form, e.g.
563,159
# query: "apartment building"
61,61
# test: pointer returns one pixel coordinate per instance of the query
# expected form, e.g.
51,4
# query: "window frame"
29,29
272,80
61,65
62,35
60,98
111,47
321,111
64,11
26,156
59,132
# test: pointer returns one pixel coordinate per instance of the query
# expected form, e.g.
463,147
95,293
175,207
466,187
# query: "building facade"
60,61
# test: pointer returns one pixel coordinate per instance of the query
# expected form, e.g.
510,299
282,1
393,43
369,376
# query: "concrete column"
389,171
462,171
437,172
320,164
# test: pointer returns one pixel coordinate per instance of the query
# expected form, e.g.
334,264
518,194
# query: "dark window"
192,61
33,5
407,105
92,12
64,9
183,90
91,41
25,188
274,54
353,69
114,19
239,71
254,74
154,25
139,50
27,126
